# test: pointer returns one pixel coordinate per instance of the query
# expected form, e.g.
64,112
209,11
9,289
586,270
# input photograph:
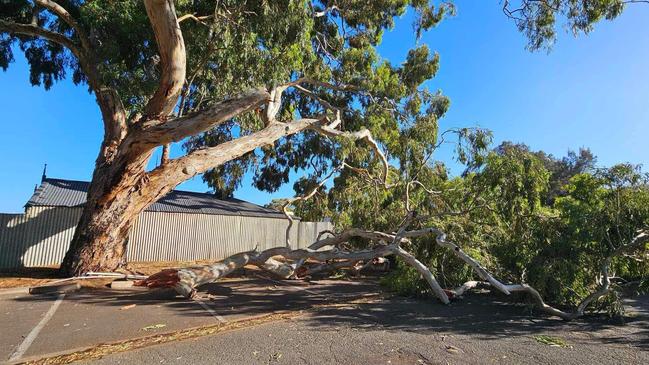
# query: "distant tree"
561,169
539,19
277,204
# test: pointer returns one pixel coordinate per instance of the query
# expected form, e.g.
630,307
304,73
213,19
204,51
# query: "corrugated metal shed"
71,193
182,226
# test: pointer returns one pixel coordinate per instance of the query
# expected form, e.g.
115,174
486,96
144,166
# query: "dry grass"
110,348
28,277
36,276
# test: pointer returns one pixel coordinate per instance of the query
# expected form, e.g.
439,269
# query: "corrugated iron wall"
42,236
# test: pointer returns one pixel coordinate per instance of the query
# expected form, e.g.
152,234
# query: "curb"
108,348
13,291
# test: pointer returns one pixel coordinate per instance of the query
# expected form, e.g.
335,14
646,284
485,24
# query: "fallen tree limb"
186,280
604,287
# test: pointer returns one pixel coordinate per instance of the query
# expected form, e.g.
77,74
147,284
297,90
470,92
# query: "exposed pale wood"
185,280
165,154
178,170
173,63
154,133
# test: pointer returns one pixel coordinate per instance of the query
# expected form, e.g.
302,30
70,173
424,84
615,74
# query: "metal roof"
70,193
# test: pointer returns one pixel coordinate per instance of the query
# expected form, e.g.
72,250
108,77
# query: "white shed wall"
42,235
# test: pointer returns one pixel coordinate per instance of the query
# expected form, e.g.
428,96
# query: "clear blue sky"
591,91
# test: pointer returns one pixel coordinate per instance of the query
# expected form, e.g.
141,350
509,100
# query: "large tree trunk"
115,198
121,187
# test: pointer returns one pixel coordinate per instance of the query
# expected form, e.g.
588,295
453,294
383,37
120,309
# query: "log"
186,280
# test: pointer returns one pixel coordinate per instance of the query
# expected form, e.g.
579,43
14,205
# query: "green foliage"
274,42
526,216
405,280
538,20
560,249
255,44
551,341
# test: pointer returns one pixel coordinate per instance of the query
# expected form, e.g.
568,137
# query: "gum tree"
277,85
277,76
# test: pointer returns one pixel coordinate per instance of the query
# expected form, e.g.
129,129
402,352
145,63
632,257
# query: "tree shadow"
23,236
32,273
235,298
481,316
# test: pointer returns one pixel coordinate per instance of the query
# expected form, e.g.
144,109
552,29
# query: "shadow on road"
483,316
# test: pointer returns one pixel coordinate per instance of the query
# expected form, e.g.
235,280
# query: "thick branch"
36,31
186,280
171,47
165,178
62,13
153,133
348,234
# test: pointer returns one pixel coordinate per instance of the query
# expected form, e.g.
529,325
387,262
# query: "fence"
42,235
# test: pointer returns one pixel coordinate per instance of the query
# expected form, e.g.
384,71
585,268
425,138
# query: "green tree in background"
278,86
539,19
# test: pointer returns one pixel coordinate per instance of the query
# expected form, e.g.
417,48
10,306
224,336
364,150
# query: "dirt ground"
36,276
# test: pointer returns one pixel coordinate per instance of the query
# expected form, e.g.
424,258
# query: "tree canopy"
539,19
279,86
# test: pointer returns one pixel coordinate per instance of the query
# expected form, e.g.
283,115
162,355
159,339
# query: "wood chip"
452,349
154,327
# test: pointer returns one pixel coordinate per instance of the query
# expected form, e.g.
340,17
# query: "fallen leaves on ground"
154,327
551,341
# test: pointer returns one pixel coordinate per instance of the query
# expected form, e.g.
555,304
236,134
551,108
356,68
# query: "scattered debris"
274,357
121,284
55,289
452,349
128,307
551,341
154,327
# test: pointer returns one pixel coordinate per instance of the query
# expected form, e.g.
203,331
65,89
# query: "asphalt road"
33,326
477,330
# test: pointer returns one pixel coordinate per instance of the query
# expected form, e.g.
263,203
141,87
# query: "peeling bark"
173,63
186,280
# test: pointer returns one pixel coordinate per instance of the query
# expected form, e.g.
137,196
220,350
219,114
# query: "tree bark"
186,280
114,200
121,188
